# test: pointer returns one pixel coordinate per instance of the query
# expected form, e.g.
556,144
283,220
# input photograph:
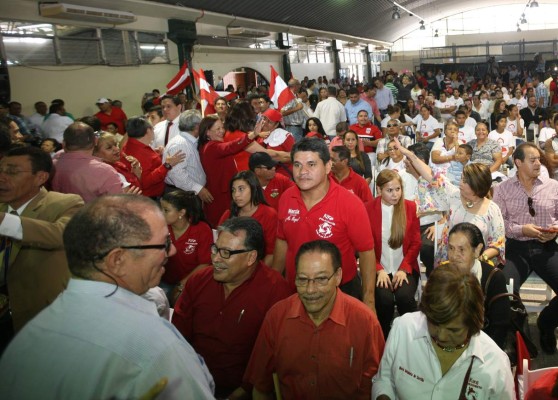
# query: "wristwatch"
167,166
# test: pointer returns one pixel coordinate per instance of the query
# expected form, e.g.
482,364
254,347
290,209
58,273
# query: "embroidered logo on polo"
293,215
325,229
274,193
190,246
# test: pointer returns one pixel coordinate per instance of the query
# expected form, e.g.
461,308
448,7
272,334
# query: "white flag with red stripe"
207,94
180,81
279,92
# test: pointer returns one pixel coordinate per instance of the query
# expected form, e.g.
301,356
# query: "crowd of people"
283,239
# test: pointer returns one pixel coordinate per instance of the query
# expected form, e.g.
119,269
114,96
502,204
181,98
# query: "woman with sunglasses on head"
470,202
395,161
190,234
248,200
397,242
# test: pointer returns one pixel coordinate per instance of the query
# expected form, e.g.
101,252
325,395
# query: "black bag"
519,322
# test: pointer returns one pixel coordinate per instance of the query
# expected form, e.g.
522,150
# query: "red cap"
272,115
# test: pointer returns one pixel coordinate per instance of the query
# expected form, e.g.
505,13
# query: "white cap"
102,100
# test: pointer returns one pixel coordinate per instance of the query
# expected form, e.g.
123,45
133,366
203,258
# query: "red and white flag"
208,95
279,92
180,81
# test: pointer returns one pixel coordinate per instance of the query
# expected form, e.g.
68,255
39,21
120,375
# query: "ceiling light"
534,4
395,14
422,26
523,20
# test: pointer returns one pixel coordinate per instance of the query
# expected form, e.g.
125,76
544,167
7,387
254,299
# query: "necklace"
450,349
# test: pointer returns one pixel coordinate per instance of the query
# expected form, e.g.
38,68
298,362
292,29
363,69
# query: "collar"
22,208
78,155
421,333
337,314
188,136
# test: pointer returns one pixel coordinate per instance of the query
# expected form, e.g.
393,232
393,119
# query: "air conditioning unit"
83,13
245,32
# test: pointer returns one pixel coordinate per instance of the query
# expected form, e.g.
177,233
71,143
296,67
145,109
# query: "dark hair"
92,121
467,147
256,192
478,177
40,161
157,109
253,230
322,247
314,145
460,111
221,98
473,233
342,152
137,127
102,225
79,136
55,107
341,126
332,91
421,151
205,125
55,143
501,116
359,157
174,99
393,108
427,107
519,152
321,129
241,117
188,201
451,293
353,90
5,137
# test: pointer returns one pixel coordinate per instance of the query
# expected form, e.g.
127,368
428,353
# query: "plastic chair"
530,377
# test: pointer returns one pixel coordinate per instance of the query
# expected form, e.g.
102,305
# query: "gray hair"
189,120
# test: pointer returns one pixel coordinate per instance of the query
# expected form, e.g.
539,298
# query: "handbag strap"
466,380
490,275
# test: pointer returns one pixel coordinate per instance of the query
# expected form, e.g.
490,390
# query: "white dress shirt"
160,131
89,346
410,368
188,174
55,125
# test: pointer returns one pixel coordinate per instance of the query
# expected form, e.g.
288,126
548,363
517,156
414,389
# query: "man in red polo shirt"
318,208
223,306
368,132
273,184
107,114
153,170
345,176
320,342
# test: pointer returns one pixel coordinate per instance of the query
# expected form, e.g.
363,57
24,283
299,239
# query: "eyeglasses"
167,246
392,125
265,166
530,204
319,281
13,171
391,149
226,253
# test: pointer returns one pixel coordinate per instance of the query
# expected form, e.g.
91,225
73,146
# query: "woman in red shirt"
191,235
248,201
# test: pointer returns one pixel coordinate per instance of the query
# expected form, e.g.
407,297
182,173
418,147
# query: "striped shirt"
512,199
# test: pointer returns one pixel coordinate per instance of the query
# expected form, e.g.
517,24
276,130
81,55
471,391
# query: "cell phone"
549,230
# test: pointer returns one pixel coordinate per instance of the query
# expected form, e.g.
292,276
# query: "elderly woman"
440,351
467,203
445,149
485,150
128,167
465,245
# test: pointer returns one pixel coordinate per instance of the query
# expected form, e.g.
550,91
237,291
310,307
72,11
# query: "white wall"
81,86
312,71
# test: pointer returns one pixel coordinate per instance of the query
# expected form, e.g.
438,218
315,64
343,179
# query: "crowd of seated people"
478,156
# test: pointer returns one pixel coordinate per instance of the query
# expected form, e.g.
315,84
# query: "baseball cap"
102,100
272,115
261,158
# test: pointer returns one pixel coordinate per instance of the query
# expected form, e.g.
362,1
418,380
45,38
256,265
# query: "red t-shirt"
553,88
223,330
242,157
116,116
335,360
275,189
153,171
193,248
283,168
368,132
267,217
357,185
340,217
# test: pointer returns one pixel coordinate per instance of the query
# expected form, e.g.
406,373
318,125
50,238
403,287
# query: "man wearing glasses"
529,207
33,267
100,338
222,306
320,342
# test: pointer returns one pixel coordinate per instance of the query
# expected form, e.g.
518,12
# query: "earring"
180,217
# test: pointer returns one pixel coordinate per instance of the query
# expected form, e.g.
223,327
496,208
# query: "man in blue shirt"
354,105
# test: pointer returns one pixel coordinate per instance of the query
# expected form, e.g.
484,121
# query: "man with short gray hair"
188,175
